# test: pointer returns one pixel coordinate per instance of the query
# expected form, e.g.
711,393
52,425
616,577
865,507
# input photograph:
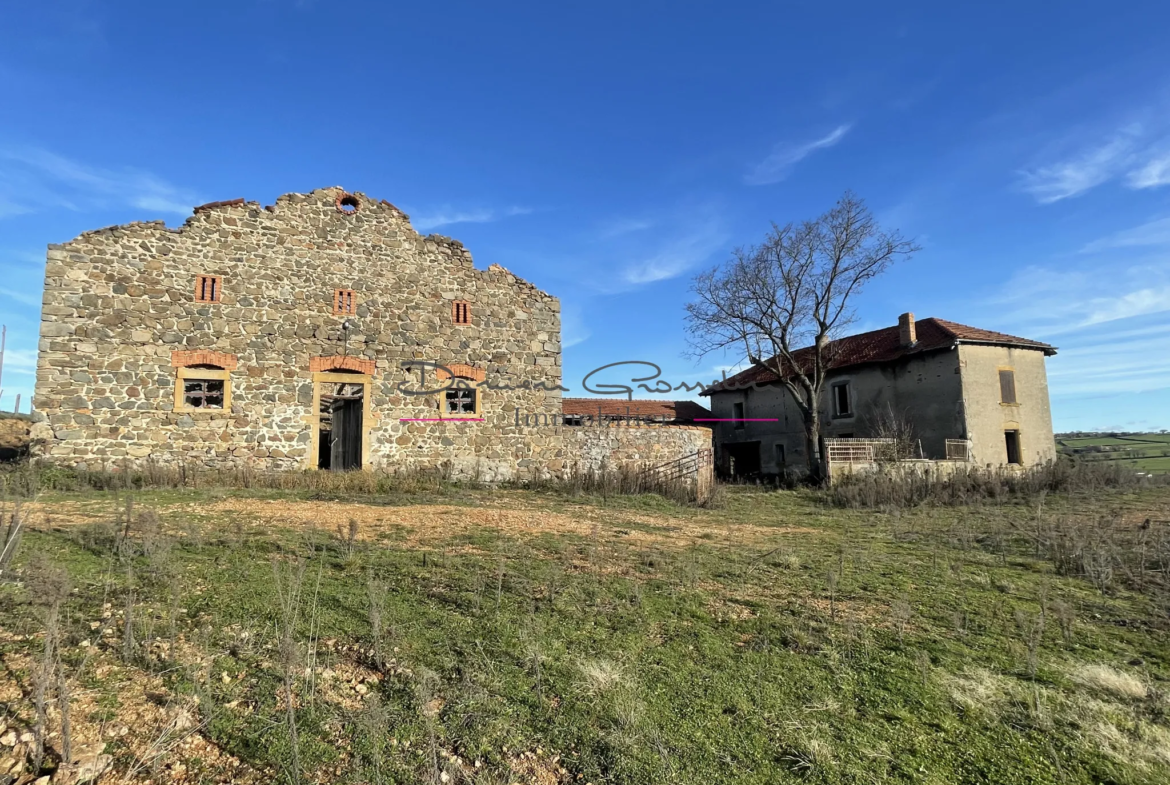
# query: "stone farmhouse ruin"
958,394
321,332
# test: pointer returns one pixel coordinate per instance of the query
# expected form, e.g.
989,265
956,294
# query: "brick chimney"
906,334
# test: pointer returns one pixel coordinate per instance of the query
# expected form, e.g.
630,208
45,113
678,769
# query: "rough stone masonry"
225,342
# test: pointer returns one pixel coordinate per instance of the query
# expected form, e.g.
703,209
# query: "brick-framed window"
208,288
344,302
461,312
462,398
203,380
461,401
202,387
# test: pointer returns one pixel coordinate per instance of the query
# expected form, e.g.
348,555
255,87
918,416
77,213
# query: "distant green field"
1145,451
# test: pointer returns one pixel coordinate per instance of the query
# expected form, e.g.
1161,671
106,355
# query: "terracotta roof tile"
884,345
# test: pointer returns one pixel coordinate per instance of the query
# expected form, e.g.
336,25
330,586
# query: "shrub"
898,487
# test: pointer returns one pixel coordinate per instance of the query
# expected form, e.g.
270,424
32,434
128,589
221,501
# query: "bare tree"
898,428
794,290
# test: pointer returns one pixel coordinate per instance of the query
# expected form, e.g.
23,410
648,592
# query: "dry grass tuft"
977,691
600,676
1104,678
1125,738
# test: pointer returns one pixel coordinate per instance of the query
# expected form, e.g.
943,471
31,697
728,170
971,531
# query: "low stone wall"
542,452
486,452
914,466
590,449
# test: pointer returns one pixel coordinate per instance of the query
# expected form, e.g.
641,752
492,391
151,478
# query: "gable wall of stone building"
120,302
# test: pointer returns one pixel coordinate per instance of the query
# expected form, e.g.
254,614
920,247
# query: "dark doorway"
339,442
741,460
1013,446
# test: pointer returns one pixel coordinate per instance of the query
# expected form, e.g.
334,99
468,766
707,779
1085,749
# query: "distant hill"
1145,451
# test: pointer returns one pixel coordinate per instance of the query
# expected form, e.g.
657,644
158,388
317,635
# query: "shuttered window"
1007,387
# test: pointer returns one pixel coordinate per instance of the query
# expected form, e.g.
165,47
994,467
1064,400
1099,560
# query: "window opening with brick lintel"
344,302
461,312
208,288
462,398
202,380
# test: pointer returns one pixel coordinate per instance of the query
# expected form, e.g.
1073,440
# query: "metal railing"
857,450
697,468
958,449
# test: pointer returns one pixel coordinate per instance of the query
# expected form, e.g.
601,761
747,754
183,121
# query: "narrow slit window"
842,406
344,302
737,415
461,312
208,288
1007,387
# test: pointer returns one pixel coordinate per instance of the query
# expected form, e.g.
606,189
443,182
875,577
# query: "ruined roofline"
198,219
231,204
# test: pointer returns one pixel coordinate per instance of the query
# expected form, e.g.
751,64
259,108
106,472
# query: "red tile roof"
669,411
885,345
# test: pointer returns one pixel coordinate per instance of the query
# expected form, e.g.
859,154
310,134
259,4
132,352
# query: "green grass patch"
788,641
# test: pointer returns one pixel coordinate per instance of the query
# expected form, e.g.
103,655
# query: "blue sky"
607,151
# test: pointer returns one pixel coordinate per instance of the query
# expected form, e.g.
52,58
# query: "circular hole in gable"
348,204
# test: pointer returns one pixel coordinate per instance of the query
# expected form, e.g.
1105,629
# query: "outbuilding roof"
668,411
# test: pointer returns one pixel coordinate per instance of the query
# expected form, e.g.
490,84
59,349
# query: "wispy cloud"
1136,152
677,256
1151,234
1110,322
1154,173
1085,170
33,179
573,328
446,215
785,155
19,361
24,298
623,226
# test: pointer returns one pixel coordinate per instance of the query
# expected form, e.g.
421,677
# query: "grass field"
509,636
1148,452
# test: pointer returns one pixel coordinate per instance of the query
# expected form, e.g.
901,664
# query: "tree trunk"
812,443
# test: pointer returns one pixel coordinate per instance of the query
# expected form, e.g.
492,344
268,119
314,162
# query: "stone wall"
122,320
120,302
592,448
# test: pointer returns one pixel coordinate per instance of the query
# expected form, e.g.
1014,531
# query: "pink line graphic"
735,419
440,419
